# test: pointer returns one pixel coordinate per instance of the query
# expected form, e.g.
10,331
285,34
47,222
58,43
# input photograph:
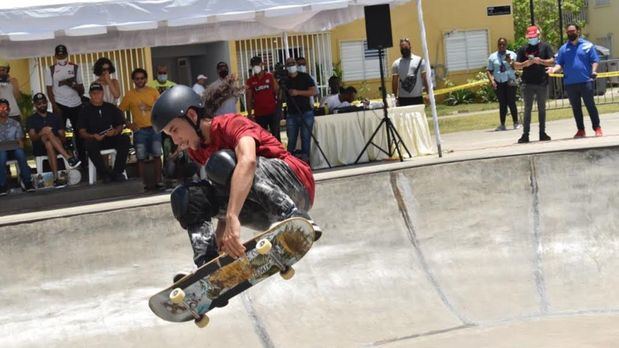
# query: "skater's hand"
231,239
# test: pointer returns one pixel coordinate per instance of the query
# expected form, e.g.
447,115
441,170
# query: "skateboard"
222,278
45,180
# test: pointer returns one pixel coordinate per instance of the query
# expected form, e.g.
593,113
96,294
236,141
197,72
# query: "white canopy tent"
30,28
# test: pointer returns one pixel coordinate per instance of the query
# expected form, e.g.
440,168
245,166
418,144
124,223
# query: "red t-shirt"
227,130
264,94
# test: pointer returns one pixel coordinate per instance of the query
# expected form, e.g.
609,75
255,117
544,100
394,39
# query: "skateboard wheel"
263,246
177,296
288,273
203,321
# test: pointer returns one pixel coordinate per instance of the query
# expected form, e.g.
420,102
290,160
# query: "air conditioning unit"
183,67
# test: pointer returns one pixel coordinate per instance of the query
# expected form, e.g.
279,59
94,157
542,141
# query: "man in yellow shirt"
139,101
161,83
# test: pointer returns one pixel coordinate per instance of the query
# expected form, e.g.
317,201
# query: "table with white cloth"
343,136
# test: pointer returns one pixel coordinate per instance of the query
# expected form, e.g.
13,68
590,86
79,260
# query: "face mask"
572,37
62,61
292,69
223,73
302,68
162,78
534,41
257,69
405,52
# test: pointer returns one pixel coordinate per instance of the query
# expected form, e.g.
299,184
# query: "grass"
445,110
491,120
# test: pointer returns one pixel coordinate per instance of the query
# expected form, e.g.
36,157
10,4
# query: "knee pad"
220,167
194,203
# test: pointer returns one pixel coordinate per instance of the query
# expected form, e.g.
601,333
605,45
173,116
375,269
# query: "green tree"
546,17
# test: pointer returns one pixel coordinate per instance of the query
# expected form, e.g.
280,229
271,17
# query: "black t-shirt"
97,119
38,122
536,73
302,82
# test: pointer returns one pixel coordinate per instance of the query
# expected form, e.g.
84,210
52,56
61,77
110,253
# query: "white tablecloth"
342,136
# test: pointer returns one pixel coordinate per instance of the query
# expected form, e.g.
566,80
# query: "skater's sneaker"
74,162
4,190
178,276
523,139
598,132
500,128
544,137
580,134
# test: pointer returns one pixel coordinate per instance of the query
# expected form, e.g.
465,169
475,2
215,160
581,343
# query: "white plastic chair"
40,159
92,170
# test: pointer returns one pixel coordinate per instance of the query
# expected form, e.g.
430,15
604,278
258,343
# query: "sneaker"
544,137
580,134
598,132
523,139
28,187
178,276
59,183
517,125
500,128
74,162
119,177
4,190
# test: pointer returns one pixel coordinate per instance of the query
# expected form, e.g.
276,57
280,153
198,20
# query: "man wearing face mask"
532,59
300,118
161,83
261,102
223,93
579,61
9,89
302,67
64,91
406,71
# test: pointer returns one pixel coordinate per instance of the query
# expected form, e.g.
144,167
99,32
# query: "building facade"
601,23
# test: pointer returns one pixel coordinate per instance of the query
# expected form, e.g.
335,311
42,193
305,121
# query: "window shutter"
359,63
466,50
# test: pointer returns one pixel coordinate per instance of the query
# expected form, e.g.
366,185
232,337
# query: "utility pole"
532,12
560,23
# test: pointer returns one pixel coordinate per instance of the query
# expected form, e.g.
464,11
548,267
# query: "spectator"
341,100
579,62
334,85
100,126
47,136
9,89
532,59
261,102
200,86
221,92
103,69
140,101
302,67
161,84
503,79
64,90
11,141
299,88
405,83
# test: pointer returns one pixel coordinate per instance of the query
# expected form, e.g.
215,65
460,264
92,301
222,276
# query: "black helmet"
174,103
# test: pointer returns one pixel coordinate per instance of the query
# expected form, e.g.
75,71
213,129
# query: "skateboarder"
252,179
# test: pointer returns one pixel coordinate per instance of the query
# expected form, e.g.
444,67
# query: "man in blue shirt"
579,62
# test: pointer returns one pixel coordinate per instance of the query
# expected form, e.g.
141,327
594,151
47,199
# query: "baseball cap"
95,86
38,97
201,76
532,32
60,50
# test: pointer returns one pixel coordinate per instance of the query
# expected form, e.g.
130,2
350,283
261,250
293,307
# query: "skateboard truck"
177,296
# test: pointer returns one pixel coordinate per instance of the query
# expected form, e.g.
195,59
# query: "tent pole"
426,55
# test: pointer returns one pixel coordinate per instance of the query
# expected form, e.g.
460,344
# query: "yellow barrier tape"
600,75
460,87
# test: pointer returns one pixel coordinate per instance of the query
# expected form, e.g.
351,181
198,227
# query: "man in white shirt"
408,76
64,91
340,100
200,84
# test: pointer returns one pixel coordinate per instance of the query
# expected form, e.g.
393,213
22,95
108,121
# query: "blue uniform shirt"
577,61
499,67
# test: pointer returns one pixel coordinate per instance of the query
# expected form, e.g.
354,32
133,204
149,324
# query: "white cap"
201,76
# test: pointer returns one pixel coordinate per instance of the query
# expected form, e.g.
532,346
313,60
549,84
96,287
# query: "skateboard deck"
222,278
46,179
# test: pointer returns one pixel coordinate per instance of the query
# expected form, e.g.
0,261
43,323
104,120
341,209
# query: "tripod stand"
393,137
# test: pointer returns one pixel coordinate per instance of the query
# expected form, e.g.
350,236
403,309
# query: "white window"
360,63
602,2
466,50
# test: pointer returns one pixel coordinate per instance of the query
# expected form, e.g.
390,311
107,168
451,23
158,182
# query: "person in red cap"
532,59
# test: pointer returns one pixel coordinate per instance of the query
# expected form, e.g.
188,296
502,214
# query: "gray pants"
529,92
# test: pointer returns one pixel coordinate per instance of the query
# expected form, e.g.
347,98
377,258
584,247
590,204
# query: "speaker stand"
394,140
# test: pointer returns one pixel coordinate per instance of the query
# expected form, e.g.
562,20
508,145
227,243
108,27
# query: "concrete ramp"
506,252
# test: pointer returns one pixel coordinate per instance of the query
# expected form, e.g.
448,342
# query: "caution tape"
599,76
460,87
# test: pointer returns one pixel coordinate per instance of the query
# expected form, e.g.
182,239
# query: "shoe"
580,134
74,162
517,125
598,132
178,276
4,190
160,186
523,139
544,137
59,183
28,187
500,128
119,177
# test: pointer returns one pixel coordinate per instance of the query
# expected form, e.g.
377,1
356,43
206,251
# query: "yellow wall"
602,21
440,16
21,71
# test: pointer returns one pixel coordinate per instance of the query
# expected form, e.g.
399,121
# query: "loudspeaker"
378,26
